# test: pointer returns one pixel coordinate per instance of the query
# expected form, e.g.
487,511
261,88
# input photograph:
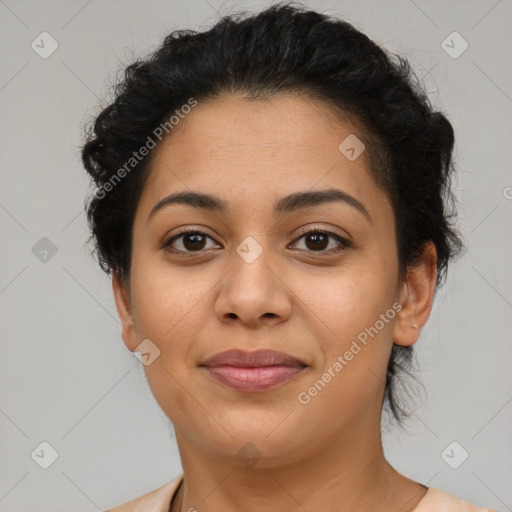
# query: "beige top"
159,500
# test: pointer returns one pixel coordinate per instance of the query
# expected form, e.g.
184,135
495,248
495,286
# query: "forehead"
259,150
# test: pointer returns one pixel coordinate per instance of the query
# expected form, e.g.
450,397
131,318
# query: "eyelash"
344,243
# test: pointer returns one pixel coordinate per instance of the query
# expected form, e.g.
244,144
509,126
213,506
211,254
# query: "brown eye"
318,241
188,241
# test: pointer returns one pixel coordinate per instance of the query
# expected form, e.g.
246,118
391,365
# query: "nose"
253,292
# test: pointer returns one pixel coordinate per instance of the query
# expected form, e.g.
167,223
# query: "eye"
317,240
189,240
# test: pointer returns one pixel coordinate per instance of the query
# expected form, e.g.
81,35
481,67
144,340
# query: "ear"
124,310
416,297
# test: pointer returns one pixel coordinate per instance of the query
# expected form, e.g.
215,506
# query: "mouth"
255,371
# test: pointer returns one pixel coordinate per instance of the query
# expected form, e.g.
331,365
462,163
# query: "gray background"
66,377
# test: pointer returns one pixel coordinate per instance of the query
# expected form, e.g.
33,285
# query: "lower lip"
253,379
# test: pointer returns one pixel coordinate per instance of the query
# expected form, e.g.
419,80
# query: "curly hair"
284,48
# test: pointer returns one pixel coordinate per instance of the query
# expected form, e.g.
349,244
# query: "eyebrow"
291,203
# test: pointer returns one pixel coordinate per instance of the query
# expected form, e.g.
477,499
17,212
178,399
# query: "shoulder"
440,501
153,501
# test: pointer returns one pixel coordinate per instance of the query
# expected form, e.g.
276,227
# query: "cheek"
348,300
357,319
355,352
167,304
168,311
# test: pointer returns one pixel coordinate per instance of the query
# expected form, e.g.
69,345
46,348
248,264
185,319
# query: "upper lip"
254,359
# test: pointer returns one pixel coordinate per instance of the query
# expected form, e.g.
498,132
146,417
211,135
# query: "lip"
254,371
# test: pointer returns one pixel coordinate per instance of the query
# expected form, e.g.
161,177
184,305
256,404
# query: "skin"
327,454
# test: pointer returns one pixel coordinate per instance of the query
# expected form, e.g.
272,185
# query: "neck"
347,472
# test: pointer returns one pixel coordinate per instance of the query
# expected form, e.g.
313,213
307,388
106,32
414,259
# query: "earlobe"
124,309
416,297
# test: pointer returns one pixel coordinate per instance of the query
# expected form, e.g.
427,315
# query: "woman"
272,203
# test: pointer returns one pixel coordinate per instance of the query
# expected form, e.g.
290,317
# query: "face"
314,279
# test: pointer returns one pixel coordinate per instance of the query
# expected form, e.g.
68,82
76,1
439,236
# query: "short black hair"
285,48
